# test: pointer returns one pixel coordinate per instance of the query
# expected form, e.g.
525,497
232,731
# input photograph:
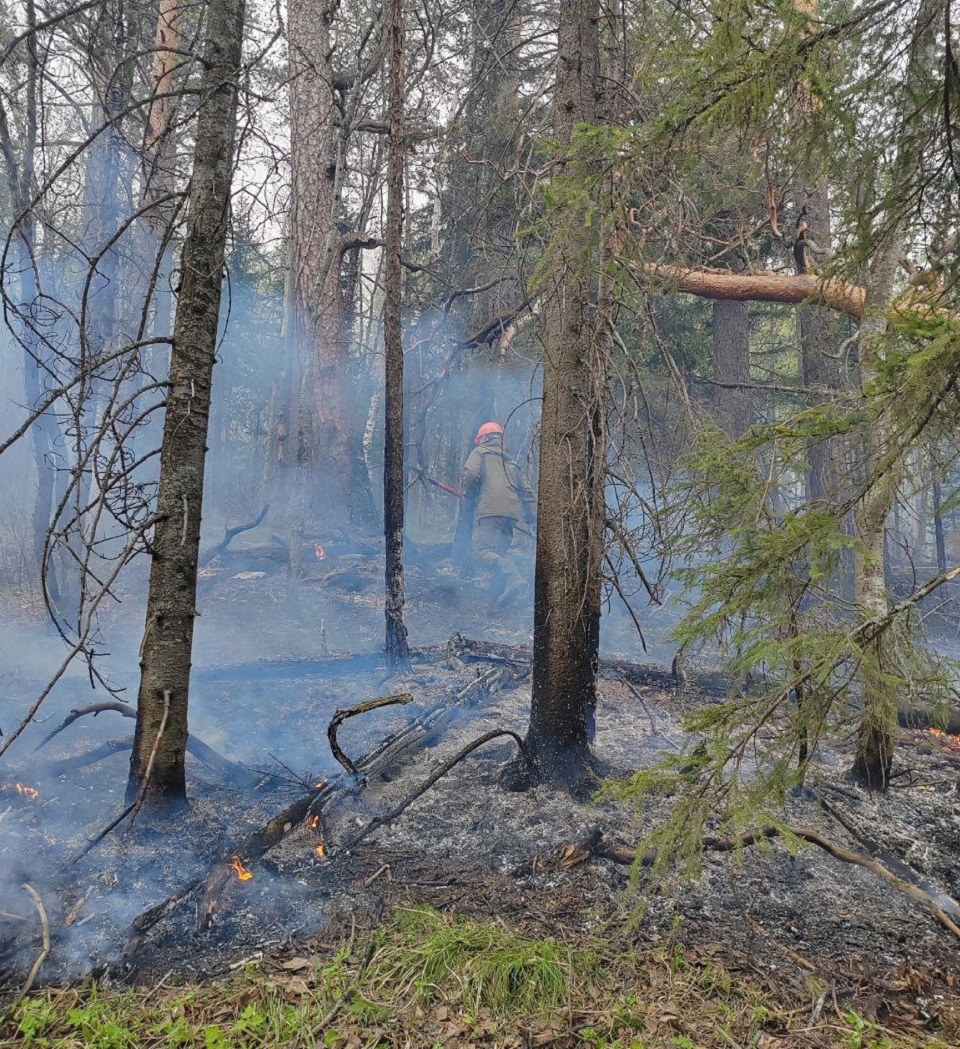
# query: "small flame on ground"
23,790
313,822
949,739
319,786
321,849
242,873
319,552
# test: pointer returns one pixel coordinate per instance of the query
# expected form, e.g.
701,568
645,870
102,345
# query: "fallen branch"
388,817
45,943
938,905
144,786
229,534
235,775
78,712
360,708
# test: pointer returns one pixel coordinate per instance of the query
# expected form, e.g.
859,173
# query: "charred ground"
824,940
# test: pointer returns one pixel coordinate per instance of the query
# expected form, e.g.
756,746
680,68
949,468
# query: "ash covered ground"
465,845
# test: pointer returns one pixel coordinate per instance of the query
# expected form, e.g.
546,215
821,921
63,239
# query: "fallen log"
418,732
639,673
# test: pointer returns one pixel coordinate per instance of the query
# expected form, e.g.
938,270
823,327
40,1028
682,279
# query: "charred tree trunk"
398,653
570,512
171,603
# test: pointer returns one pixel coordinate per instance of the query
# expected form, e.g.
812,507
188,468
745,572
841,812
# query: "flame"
319,786
948,741
321,849
319,552
242,873
313,822
23,790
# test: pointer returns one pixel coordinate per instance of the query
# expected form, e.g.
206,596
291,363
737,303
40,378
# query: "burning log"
421,730
233,774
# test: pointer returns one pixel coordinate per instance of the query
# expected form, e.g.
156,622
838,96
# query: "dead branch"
359,708
78,712
45,943
234,774
142,792
79,761
229,534
907,883
380,821
420,730
94,842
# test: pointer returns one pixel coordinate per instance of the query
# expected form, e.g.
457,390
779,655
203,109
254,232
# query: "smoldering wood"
340,716
417,733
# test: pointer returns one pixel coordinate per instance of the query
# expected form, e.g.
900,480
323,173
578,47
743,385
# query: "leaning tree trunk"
171,603
570,494
396,633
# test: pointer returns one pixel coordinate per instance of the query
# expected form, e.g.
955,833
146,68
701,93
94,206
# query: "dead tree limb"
142,792
942,907
78,712
234,774
380,821
44,939
229,534
95,841
359,708
419,731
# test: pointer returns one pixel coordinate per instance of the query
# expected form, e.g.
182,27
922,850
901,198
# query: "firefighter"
494,491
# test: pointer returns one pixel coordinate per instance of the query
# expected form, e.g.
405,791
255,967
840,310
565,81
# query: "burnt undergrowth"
798,947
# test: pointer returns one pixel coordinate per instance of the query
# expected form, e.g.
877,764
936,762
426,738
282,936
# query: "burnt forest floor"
473,918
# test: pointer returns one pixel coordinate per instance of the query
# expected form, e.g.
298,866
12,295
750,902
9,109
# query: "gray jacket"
493,480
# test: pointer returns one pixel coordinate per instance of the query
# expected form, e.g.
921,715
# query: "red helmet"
487,430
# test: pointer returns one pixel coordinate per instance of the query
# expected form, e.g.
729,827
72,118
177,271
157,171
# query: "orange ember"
947,739
242,873
321,849
24,791
313,822
319,552
319,786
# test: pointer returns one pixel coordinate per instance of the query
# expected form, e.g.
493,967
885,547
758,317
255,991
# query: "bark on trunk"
398,653
570,511
171,604
328,409
732,406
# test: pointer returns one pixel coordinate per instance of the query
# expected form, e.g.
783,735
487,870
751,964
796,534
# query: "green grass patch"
425,979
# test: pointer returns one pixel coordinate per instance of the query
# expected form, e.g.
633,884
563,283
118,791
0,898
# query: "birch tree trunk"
171,603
